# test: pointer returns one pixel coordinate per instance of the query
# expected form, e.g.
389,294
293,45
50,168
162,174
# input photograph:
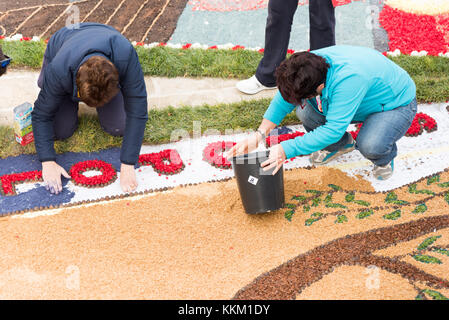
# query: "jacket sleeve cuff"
289,147
130,163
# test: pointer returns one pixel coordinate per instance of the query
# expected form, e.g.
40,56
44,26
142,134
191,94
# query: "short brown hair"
97,81
299,76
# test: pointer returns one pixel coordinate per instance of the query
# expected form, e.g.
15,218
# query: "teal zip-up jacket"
359,82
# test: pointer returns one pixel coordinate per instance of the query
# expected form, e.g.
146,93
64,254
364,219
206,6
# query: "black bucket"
260,191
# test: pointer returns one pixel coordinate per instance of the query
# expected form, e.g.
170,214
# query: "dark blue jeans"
278,28
112,115
377,138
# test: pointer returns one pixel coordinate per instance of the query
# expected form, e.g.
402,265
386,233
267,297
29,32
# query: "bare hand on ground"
51,174
128,180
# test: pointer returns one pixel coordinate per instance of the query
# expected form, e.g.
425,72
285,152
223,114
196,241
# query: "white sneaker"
384,172
252,86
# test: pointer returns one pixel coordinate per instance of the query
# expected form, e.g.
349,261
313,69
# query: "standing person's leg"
380,132
112,116
277,37
322,24
66,119
311,120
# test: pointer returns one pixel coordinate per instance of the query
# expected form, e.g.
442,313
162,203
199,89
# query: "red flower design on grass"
166,162
237,47
213,154
10,180
414,32
355,133
108,173
421,122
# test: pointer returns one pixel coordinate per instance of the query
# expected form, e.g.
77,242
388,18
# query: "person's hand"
51,174
128,180
275,159
245,146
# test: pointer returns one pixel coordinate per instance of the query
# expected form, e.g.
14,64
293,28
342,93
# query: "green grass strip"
431,74
90,137
25,54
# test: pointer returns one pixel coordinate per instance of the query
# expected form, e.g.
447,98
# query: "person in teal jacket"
332,88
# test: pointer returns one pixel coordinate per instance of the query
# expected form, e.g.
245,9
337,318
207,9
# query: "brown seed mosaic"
141,21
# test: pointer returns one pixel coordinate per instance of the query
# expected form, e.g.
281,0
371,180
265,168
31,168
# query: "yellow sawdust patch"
355,282
430,7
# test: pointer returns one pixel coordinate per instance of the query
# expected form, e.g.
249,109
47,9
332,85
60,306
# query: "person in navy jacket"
4,62
95,64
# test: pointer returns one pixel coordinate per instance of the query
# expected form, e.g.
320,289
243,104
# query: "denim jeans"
378,135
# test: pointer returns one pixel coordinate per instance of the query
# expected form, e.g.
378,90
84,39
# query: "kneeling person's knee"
114,130
65,131
373,149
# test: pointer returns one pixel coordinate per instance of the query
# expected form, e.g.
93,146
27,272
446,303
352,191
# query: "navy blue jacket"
66,51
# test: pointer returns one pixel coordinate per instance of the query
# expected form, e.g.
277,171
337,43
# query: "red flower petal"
8,181
108,173
165,162
213,154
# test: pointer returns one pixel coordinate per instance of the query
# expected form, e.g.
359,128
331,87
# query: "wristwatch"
264,138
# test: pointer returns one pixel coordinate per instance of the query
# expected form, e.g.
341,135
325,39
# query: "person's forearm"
132,141
266,126
278,109
43,138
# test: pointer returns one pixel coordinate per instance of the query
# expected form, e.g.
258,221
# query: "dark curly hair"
2,57
299,76
97,81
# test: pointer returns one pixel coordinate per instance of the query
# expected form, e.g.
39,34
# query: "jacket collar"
325,92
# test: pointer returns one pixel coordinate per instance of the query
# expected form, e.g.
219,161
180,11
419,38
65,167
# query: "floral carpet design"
410,31
337,238
184,233
338,206
200,160
417,26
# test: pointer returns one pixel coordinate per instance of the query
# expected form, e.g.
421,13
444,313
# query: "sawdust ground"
191,243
